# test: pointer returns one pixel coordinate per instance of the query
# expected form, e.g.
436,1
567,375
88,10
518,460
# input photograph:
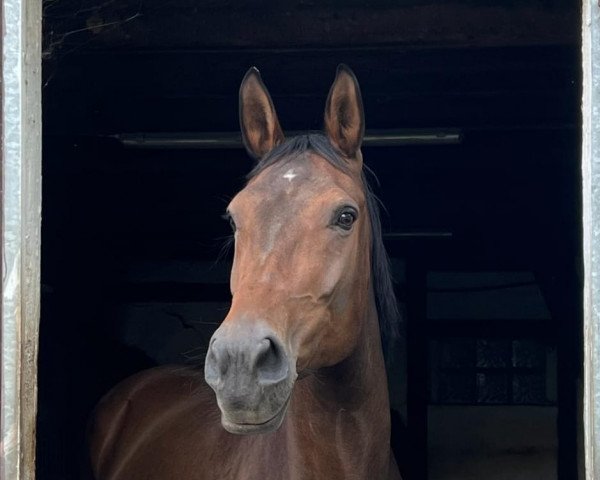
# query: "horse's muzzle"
252,376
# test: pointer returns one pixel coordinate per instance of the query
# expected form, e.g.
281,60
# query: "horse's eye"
346,219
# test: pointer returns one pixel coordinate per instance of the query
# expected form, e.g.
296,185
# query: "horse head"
300,279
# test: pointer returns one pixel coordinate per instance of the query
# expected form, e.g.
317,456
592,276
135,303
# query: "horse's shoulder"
123,411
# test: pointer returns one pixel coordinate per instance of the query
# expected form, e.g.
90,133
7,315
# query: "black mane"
385,298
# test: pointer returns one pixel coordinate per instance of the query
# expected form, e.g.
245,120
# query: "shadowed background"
484,234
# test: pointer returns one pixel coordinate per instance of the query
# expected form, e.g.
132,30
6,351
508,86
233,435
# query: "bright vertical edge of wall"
591,233
21,218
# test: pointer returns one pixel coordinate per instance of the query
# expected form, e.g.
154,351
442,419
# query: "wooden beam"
157,24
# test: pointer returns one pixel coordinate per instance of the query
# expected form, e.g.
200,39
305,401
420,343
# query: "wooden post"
21,209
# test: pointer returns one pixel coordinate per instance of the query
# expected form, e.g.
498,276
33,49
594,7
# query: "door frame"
20,157
590,164
21,160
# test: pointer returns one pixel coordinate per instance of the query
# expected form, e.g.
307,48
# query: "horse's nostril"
271,365
216,363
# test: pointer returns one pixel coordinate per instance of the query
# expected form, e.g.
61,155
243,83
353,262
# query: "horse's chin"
267,426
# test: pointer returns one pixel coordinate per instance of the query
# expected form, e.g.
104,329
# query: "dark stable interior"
125,227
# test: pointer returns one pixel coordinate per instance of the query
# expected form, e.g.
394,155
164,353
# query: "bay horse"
296,367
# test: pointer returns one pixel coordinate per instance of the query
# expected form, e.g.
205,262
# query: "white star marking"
290,175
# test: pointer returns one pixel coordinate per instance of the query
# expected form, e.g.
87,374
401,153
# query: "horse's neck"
354,396
360,378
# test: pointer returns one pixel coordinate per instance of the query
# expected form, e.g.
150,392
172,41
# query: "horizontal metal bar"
207,140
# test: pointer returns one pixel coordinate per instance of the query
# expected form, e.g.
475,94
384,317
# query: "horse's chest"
285,456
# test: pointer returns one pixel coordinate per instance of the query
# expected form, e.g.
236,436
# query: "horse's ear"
258,120
344,116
